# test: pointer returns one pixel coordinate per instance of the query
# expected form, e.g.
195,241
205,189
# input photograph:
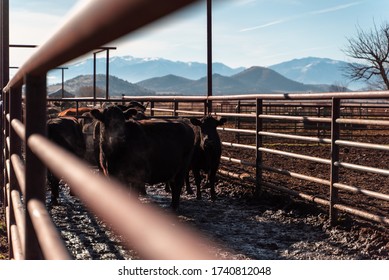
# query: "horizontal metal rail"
348,209
362,191
50,241
362,145
363,168
294,155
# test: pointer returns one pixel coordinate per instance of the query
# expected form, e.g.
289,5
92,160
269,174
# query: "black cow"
207,152
91,129
146,151
67,133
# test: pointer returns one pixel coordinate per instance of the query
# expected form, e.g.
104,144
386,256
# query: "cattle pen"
260,140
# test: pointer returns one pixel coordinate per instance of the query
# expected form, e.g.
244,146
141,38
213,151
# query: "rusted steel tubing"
16,243
344,208
305,96
167,98
362,145
239,161
19,214
241,115
298,194
50,241
294,155
19,128
19,169
360,121
246,131
291,118
363,214
144,228
98,23
363,168
8,145
238,145
362,191
8,166
236,175
296,137
189,112
297,175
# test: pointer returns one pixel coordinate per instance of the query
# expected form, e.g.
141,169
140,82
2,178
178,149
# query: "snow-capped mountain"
134,69
314,70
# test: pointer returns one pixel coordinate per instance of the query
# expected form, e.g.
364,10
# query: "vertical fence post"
7,191
107,76
258,143
15,96
209,55
4,77
237,121
335,133
35,169
175,114
151,108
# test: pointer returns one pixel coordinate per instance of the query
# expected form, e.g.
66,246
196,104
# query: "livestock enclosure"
327,148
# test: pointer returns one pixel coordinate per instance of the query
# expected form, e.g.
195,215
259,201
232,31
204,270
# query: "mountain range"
136,76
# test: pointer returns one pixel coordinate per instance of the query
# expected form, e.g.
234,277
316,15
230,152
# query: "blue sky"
245,32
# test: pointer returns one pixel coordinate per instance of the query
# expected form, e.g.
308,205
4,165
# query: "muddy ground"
273,226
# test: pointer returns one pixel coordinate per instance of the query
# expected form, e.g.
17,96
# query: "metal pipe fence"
258,103
32,233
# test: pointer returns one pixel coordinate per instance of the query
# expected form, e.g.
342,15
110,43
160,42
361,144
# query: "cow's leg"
197,177
211,181
54,186
176,187
141,188
187,183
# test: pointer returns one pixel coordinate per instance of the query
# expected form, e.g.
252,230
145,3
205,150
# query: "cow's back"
169,147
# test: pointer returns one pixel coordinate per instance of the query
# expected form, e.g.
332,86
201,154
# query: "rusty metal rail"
333,182
31,232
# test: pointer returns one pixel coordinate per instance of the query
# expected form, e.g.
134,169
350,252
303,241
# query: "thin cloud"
334,9
317,12
264,25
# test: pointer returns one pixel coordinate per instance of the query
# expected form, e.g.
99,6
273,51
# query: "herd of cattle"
136,149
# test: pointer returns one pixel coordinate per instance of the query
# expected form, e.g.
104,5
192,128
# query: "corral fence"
31,232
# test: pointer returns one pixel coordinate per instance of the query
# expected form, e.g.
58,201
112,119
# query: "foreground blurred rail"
32,234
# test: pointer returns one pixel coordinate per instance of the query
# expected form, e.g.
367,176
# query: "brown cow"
74,112
146,151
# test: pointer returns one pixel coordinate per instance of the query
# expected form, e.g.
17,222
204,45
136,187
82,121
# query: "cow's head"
208,133
113,120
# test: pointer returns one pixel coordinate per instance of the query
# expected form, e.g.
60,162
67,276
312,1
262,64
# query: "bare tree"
372,49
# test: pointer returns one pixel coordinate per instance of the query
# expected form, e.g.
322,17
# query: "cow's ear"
195,121
97,115
130,113
222,121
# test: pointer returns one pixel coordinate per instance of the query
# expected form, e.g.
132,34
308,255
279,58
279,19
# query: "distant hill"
314,70
83,86
253,80
134,69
